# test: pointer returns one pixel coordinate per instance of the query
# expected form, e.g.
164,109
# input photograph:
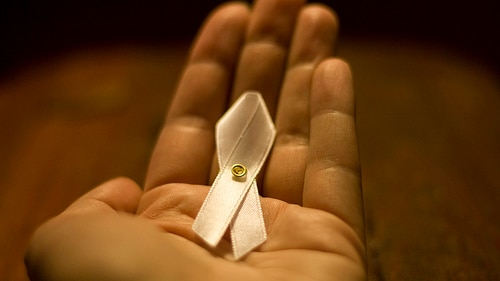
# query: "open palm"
311,185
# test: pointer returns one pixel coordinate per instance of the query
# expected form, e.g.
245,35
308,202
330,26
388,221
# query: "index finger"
185,147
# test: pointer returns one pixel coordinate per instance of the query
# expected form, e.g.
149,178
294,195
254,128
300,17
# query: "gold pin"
238,170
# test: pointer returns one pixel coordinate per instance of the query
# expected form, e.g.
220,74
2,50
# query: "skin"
311,185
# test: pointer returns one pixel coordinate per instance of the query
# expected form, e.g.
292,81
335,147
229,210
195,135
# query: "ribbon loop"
244,137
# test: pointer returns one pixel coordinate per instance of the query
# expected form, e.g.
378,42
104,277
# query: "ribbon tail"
220,207
248,229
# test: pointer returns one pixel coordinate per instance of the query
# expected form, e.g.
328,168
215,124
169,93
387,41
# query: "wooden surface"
428,124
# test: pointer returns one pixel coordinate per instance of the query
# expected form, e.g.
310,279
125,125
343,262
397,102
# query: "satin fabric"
244,135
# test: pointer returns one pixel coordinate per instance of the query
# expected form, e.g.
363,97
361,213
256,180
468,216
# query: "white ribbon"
244,137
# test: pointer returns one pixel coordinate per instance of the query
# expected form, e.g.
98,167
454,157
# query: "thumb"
61,246
117,195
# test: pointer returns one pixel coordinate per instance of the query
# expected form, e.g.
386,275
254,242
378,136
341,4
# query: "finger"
185,147
117,195
108,247
332,181
312,42
263,58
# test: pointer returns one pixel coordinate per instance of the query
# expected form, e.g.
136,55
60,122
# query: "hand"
311,186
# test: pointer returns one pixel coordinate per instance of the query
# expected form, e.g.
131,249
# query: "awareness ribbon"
244,137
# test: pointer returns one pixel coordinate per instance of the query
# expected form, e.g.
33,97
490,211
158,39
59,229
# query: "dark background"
30,30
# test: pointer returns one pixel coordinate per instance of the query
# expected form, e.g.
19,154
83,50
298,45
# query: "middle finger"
312,42
263,57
